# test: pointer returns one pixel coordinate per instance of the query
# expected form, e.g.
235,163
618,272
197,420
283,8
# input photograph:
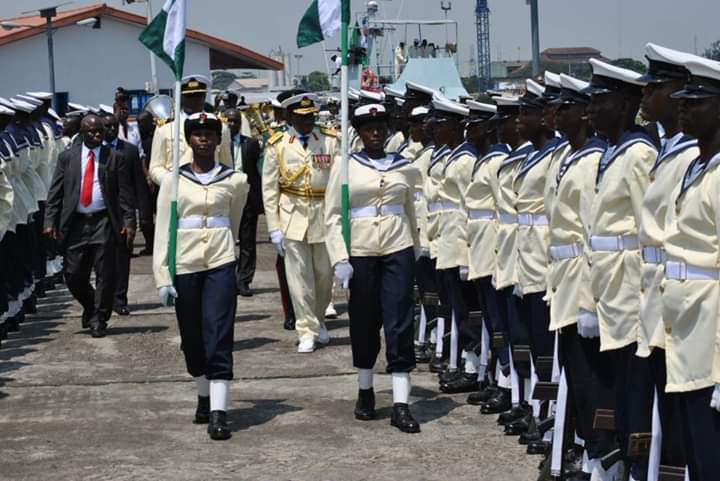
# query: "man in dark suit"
245,154
142,202
90,208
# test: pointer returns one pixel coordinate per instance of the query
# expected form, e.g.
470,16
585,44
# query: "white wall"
90,64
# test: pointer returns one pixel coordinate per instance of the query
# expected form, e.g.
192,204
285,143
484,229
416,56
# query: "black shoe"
244,290
289,324
422,354
97,330
519,426
202,412
145,252
30,305
403,419
365,405
86,316
499,403
3,332
437,365
463,383
12,323
40,289
482,396
218,427
510,415
449,375
529,437
122,310
539,447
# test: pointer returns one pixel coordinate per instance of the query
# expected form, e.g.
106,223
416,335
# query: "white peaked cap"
446,105
29,99
605,69
481,107
6,110
418,111
572,83
107,109
668,55
704,67
374,96
505,100
552,79
40,95
369,109
22,105
534,88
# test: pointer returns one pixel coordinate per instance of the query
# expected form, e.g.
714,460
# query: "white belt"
566,251
532,219
680,271
481,214
613,243
202,222
508,219
654,255
373,211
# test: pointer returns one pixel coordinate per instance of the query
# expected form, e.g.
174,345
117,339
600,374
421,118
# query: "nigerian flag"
165,35
321,21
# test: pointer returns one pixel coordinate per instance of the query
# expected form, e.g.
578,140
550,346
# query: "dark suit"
142,202
90,241
250,150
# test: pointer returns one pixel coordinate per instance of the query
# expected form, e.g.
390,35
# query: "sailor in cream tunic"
202,278
378,261
691,291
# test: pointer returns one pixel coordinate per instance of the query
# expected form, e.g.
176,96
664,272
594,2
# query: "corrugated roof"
223,54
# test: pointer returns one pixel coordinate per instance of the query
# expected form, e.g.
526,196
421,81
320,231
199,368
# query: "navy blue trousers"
205,310
381,296
518,330
542,340
670,409
463,298
702,434
490,303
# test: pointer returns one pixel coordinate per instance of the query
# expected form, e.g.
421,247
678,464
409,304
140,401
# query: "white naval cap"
353,94
507,107
400,102
302,104
416,91
419,113
551,79
704,81
106,109
371,96
573,91
666,64
275,103
53,114
6,111
195,83
445,109
534,93
94,110
369,110
480,112
77,107
534,88
22,106
29,99
40,95
391,92
610,78
6,102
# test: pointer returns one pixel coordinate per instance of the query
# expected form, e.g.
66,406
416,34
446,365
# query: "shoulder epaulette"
328,131
274,138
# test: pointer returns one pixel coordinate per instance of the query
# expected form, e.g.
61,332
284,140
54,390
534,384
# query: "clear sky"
619,28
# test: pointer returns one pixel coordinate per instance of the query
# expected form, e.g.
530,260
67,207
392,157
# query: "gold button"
554,289
677,209
376,223
662,289
652,177
596,299
597,190
668,330
496,251
642,290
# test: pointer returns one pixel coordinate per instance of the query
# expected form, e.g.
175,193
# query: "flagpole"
172,240
344,108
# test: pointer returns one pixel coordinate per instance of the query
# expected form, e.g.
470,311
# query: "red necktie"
87,183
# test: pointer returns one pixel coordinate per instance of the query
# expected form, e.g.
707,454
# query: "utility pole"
535,29
298,56
48,14
446,9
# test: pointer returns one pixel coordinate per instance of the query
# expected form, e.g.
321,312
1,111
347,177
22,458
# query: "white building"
90,63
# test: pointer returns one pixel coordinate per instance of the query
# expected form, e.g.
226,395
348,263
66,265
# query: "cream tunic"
623,177
691,308
431,189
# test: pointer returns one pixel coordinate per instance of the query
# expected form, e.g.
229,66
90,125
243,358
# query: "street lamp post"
298,56
48,14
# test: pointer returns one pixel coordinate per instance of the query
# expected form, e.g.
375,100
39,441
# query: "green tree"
317,81
713,51
630,64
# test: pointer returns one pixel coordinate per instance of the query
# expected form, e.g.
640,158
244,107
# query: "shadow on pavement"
113,331
261,412
252,317
252,343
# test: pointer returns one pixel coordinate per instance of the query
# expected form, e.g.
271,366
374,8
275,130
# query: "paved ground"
120,408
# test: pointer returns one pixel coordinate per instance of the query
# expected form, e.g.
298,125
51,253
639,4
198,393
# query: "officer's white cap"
107,109
29,99
445,105
605,69
534,88
377,97
40,95
77,107
22,106
369,110
572,83
6,110
476,106
552,79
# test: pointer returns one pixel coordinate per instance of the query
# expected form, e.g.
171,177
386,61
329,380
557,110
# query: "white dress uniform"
421,163
294,185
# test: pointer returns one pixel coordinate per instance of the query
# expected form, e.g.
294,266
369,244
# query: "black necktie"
304,139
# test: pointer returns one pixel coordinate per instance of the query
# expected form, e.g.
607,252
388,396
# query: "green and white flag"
165,35
320,22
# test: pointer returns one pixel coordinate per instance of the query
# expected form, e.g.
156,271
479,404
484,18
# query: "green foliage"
630,64
317,81
713,51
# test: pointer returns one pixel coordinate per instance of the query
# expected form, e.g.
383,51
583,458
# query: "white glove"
424,252
343,274
167,295
278,241
464,273
587,325
715,400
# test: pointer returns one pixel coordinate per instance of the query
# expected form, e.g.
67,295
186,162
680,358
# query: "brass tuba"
161,107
